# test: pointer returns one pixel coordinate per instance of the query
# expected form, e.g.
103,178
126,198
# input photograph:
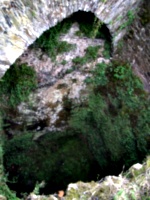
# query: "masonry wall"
135,46
22,21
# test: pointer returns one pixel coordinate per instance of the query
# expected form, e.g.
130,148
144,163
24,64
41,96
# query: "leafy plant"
85,29
50,42
54,158
107,50
91,54
99,75
64,62
79,60
115,119
89,29
17,84
4,190
130,19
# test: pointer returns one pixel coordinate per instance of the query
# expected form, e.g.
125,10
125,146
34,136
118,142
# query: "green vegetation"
89,29
16,85
111,126
50,42
89,25
104,1
145,14
138,187
64,62
130,19
107,50
4,190
85,29
90,55
54,158
115,120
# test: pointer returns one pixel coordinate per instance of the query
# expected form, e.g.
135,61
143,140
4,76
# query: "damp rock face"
61,83
135,46
23,21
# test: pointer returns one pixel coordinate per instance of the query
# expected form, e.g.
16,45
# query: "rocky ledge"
133,184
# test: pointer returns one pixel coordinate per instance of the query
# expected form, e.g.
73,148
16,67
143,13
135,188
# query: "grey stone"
32,21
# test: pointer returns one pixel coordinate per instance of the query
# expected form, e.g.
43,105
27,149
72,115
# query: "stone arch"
89,14
24,21
88,17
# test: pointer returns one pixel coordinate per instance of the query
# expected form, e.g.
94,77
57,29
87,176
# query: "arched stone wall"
22,21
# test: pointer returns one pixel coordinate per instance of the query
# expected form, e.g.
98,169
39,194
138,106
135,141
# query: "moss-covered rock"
136,170
112,187
120,187
95,190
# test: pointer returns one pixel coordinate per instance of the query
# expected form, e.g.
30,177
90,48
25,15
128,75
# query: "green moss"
79,60
50,42
64,47
17,84
85,28
70,70
107,50
89,28
64,62
54,158
4,190
90,55
116,117
81,190
129,21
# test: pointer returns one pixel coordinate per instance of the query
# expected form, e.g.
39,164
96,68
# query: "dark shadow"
59,177
87,19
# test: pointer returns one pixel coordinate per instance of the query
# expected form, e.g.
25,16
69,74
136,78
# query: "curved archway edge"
23,21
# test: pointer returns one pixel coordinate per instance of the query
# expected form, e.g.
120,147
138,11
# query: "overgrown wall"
22,21
135,46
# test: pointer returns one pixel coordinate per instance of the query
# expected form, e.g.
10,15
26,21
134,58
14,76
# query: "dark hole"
88,18
148,73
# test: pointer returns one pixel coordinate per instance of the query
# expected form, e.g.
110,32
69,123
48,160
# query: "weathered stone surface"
135,47
41,197
2,197
119,187
23,21
60,85
136,170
